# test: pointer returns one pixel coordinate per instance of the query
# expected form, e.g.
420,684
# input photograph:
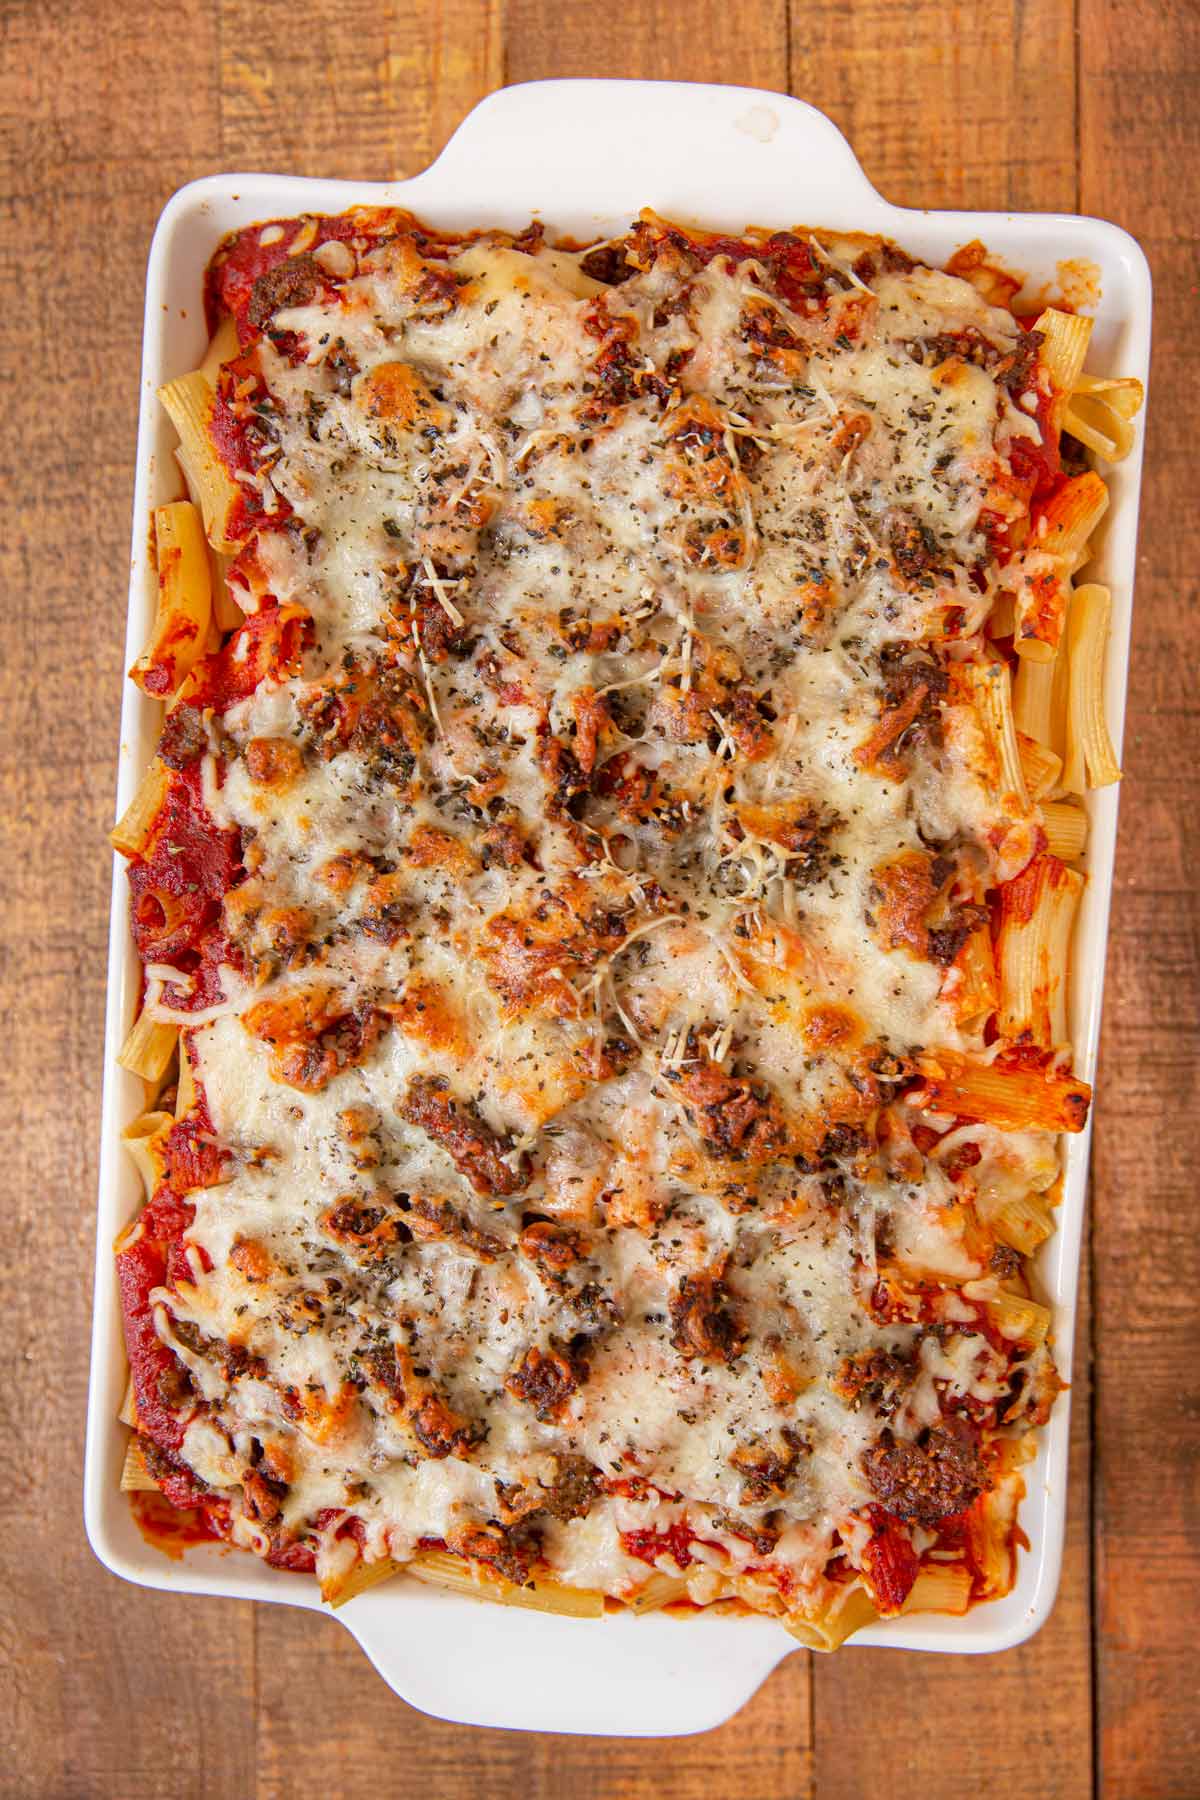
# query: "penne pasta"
989,686
1040,765
1058,547
227,614
443,1569
1069,518
133,829
1037,913
1012,1099
1003,616
360,1576
181,626
1122,394
189,403
129,1235
658,1592
1100,412
1023,1222
1018,1318
144,1141
1035,711
971,986
135,1476
1066,828
1096,410
989,1538
148,1049
940,1587
1065,339
829,1632
223,347
128,1412
1090,759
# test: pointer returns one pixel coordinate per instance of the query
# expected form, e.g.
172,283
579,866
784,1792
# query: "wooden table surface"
1067,105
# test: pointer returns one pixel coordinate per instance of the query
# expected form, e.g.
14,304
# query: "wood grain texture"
669,40
369,89
1139,165
947,106
989,104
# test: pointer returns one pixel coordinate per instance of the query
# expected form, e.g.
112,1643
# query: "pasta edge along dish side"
1028,703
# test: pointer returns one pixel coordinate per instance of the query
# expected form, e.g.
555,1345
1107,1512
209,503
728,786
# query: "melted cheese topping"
562,1111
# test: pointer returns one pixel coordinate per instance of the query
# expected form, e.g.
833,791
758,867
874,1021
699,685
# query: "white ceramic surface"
585,156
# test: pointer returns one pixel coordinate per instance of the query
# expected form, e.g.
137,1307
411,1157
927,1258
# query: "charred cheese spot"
314,1036
546,1379
399,395
252,1259
274,763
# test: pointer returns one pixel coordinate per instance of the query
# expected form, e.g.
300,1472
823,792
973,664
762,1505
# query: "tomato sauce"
270,645
189,856
298,1558
231,278
178,889
649,1545
1037,466
153,1259
243,441
1036,476
968,1531
890,1562
174,1529
193,1156
141,1267
788,257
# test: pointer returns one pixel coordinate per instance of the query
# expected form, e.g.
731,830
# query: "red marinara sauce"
269,646
1037,465
792,269
890,1562
178,888
245,257
648,1545
174,1529
1036,474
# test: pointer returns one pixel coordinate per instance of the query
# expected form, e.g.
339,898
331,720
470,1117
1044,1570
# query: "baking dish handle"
644,143
621,1676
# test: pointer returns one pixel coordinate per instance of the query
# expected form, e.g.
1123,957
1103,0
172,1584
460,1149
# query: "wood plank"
90,1706
971,108
1139,166
364,91
688,40
313,95
939,116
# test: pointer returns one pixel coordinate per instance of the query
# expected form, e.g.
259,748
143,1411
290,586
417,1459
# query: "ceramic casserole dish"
724,157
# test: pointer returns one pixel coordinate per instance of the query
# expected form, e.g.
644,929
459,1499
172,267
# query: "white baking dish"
585,156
